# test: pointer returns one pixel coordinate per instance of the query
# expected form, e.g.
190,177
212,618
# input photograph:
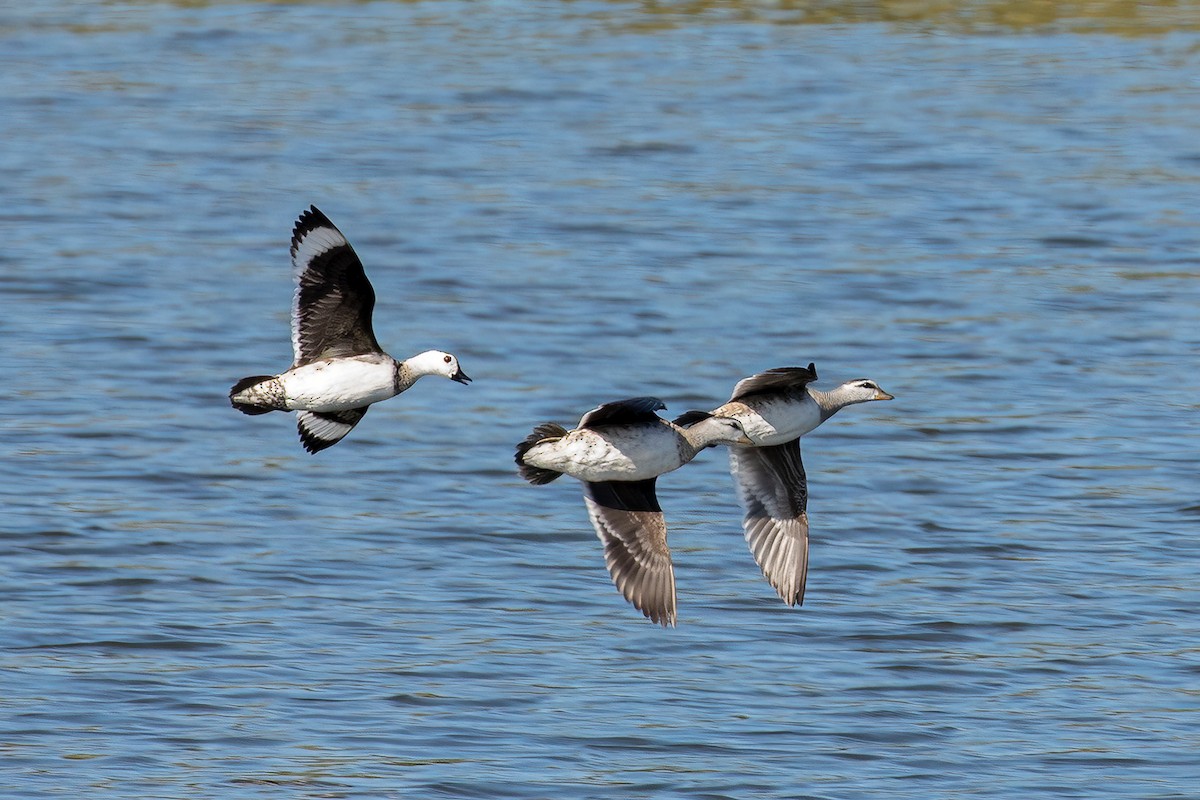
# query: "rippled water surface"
989,209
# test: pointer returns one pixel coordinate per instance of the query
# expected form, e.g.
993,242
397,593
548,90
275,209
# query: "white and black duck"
618,450
776,408
339,368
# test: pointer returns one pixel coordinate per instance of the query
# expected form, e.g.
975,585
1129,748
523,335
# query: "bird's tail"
546,432
257,394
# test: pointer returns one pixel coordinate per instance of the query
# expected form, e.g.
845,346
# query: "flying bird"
776,408
618,450
339,368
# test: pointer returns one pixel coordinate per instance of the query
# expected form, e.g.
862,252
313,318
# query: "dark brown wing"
630,524
780,379
774,494
331,309
633,411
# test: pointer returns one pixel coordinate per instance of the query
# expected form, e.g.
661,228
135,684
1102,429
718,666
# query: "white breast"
340,383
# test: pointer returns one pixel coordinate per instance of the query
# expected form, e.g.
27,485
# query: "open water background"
989,208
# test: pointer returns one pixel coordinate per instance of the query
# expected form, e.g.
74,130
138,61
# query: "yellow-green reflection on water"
1124,17
1121,17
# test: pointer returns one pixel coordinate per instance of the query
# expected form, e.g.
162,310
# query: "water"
988,210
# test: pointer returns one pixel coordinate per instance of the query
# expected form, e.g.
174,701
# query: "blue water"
587,201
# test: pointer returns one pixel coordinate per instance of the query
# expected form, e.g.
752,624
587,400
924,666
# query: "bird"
618,450
775,409
339,368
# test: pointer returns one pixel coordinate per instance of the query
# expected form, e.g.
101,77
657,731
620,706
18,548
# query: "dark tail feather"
242,385
536,475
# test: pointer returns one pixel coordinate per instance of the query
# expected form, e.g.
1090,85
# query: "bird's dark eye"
446,359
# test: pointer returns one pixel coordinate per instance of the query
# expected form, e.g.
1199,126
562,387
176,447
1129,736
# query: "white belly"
772,422
339,384
614,454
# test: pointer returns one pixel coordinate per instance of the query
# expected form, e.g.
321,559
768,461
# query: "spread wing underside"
630,524
774,494
321,429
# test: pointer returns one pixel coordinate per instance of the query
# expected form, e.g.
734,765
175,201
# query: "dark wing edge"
633,411
308,221
333,301
780,379
773,491
322,429
689,418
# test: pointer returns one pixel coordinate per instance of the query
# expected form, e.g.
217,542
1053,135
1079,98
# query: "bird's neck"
406,373
694,438
829,402
691,443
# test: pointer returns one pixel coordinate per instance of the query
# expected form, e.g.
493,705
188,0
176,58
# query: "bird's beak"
880,394
461,377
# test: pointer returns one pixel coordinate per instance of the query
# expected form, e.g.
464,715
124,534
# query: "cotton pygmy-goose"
339,368
618,450
776,408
